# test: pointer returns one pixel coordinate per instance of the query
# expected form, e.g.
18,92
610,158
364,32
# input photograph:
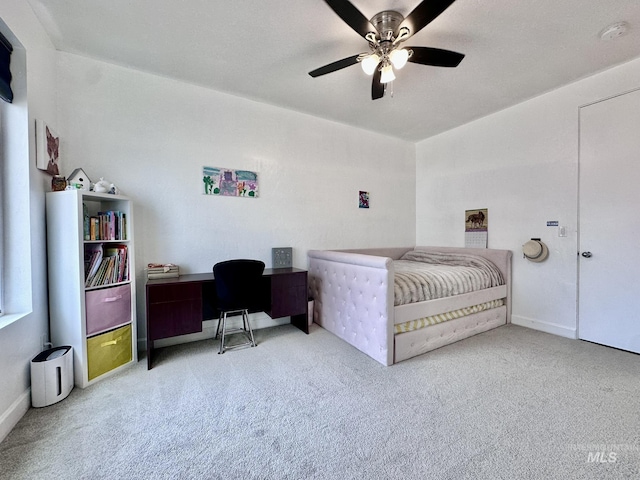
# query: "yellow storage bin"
108,351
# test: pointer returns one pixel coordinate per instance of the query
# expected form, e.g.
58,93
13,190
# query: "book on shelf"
92,260
85,222
109,225
107,265
119,254
162,270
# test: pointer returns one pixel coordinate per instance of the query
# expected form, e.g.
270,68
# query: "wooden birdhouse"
79,179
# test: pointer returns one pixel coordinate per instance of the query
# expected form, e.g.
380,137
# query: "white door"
609,260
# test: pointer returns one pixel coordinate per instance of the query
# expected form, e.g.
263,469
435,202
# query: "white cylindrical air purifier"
51,376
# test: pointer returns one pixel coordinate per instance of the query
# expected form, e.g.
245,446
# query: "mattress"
421,276
443,317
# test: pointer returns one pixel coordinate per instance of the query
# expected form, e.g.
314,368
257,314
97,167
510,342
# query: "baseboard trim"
546,327
14,413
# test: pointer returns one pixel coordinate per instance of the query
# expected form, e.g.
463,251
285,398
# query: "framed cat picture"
47,148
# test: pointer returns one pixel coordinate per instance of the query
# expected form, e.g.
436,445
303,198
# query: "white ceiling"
264,49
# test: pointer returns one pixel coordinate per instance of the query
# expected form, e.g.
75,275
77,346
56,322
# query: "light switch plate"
282,257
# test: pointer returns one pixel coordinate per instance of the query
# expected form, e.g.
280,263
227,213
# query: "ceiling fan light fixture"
386,74
385,33
399,57
369,63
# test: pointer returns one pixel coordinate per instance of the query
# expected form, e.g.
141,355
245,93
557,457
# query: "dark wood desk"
178,306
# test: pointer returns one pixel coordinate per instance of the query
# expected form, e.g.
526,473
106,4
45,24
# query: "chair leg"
245,318
246,328
245,321
224,327
218,327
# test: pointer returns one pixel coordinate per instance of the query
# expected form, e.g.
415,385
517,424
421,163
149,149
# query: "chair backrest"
238,284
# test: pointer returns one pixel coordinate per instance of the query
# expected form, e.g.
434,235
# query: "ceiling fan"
385,32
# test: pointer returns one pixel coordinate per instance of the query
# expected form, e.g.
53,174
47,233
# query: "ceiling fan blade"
435,56
332,67
424,14
352,16
377,88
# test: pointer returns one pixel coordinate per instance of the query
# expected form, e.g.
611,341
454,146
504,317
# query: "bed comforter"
421,276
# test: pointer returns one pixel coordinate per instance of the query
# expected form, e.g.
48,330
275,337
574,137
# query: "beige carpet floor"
507,404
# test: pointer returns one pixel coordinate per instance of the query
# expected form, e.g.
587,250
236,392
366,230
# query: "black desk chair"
238,290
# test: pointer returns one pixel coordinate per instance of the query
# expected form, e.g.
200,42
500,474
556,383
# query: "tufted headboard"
353,299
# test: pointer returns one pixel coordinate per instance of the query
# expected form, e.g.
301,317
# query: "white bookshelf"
109,349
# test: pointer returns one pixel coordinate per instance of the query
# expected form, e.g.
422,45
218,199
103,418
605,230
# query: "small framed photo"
363,199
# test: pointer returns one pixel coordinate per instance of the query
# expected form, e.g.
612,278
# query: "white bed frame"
353,293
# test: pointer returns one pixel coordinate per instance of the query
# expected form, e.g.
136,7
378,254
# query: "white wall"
521,164
151,136
23,187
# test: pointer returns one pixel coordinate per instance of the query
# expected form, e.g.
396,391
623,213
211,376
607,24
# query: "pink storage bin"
107,308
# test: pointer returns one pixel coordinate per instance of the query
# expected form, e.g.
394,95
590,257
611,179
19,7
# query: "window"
6,94
1,216
16,290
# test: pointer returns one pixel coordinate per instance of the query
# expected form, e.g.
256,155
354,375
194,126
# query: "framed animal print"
47,148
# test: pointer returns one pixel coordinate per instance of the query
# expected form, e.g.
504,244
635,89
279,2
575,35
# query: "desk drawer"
170,319
279,282
174,309
108,351
107,308
173,292
288,295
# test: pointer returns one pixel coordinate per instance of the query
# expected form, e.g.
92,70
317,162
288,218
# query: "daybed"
354,299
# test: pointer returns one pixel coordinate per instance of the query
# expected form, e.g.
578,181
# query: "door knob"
586,254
